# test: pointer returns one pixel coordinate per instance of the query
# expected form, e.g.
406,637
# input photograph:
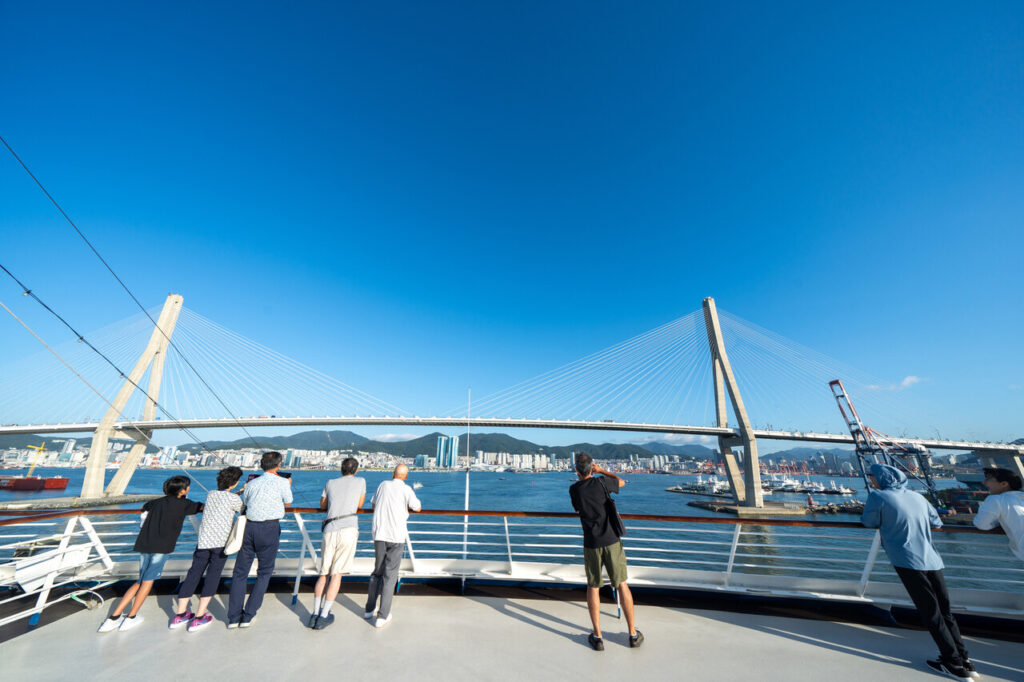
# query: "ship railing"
46,558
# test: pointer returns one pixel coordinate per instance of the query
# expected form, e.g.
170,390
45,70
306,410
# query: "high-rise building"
69,445
447,452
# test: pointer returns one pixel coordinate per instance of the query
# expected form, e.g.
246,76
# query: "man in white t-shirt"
1004,507
391,505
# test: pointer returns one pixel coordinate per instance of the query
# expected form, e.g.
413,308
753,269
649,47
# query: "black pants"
212,562
927,590
260,542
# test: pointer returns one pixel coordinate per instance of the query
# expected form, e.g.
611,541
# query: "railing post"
44,593
732,553
869,564
94,538
306,542
508,546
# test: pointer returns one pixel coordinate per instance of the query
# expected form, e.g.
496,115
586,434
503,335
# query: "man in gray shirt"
391,505
341,499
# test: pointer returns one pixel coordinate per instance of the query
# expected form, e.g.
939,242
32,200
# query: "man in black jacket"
601,545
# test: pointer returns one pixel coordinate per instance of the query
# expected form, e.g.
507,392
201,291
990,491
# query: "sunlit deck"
478,637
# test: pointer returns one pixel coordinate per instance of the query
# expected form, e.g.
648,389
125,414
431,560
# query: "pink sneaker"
178,621
200,622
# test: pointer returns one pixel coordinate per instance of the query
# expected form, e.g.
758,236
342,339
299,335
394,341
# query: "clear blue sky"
420,197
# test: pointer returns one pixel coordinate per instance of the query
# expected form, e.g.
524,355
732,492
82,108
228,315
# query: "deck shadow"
534,617
847,639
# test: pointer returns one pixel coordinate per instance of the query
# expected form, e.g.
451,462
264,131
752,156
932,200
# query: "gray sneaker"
636,640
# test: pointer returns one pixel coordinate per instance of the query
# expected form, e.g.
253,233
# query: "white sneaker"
366,616
381,622
129,623
110,624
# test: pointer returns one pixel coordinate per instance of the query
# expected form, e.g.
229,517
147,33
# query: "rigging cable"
125,287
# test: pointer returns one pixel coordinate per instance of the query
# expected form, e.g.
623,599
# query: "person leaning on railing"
209,557
264,498
904,520
161,526
341,499
601,545
391,505
1004,507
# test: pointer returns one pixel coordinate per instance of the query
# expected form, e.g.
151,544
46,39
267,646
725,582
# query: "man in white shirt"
391,505
1004,507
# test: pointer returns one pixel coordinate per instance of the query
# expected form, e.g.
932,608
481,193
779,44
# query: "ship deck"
486,636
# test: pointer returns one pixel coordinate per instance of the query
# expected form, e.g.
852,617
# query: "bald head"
401,472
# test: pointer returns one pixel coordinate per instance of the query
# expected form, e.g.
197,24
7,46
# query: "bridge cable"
124,286
81,338
142,433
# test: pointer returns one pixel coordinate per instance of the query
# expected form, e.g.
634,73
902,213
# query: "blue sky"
417,198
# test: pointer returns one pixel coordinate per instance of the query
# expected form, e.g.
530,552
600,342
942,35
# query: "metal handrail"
729,559
27,517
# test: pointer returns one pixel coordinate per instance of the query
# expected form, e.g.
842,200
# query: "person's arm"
413,501
605,472
323,499
871,517
362,500
286,493
194,507
933,518
987,517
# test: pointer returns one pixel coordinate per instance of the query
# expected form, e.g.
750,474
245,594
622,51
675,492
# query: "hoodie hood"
888,477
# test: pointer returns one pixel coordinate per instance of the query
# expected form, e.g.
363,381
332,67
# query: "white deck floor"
484,638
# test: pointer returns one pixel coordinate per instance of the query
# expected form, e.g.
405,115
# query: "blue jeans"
212,562
260,542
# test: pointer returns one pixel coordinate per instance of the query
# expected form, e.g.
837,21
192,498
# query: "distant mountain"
21,441
427,445
804,453
307,440
689,449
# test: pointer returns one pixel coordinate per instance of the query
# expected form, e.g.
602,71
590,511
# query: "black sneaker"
636,640
969,667
957,672
323,622
312,620
596,642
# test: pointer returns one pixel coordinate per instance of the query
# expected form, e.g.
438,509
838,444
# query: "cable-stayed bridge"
682,378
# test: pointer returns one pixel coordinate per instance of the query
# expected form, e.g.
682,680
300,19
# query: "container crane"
873,447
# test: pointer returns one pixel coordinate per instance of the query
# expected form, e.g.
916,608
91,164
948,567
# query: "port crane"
39,452
873,447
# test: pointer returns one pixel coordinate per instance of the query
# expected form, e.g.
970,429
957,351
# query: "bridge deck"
486,637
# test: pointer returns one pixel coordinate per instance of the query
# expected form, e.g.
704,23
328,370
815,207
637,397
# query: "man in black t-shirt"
601,546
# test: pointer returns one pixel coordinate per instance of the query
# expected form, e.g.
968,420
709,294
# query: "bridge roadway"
127,427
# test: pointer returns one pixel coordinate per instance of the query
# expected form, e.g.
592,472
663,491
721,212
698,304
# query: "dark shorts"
612,557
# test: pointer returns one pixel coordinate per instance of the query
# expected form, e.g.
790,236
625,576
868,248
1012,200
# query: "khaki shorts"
612,557
338,550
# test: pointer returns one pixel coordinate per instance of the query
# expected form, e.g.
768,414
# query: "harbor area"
489,633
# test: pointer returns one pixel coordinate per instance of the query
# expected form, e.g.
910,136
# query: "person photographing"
590,497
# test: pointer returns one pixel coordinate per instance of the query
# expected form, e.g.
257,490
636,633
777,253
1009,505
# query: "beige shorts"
338,549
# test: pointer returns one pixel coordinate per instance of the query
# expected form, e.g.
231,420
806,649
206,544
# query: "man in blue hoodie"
905,520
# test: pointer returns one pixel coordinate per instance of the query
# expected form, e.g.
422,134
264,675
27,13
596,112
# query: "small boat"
417,485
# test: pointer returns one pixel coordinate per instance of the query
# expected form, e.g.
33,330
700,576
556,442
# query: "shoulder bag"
234,542
614,520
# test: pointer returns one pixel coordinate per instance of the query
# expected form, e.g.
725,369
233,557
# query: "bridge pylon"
746,489
154,354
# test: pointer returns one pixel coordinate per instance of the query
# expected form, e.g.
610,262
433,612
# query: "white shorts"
338,549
